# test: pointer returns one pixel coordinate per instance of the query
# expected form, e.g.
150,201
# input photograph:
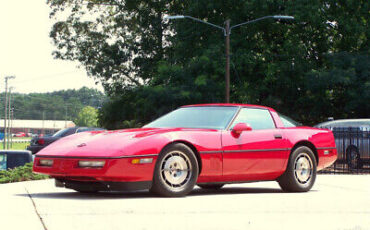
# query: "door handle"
278,136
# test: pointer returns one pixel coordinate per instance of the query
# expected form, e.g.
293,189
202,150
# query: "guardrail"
353,147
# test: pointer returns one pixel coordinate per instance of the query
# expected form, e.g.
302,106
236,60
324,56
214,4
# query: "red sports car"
209,145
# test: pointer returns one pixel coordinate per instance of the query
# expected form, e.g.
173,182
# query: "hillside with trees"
314,67
57,105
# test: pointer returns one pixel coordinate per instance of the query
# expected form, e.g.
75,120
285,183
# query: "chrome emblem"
81,145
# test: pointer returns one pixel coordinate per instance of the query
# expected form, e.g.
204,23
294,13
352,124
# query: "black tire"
211,186
353,158
176,171
300,174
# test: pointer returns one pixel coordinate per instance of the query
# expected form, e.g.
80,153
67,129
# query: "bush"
22,173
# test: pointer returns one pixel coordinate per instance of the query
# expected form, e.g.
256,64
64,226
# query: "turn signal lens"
142,161
44,162
91,164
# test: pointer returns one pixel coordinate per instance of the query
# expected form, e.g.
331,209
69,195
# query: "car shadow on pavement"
143,194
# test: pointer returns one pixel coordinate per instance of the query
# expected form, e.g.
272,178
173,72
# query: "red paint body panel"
113,170
254,155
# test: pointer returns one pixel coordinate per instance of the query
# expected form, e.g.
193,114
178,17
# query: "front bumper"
114,170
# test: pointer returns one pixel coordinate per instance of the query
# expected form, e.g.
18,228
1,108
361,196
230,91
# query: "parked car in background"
31,135
20,134
40,142
14,158
352,140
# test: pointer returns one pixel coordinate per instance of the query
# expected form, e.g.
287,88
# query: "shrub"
22,173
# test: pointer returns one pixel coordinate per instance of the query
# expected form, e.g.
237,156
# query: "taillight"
46,162
41,141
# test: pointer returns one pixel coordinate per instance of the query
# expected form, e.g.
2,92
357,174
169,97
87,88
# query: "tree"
88,117
341,91
149,67
57,105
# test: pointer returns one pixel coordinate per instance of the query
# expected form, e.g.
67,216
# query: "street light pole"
227,68
9,131
227,31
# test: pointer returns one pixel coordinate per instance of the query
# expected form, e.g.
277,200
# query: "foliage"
149,67
22,173
342,88
88,116
57,105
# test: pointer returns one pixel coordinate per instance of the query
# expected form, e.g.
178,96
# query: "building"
37,126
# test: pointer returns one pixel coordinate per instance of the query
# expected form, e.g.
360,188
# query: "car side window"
256,118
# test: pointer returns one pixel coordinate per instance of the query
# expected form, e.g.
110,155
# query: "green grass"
18,146
22,138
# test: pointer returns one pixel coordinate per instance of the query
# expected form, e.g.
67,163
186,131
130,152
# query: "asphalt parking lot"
335,202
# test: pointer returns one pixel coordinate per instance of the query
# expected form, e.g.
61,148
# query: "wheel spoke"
303,168
176,170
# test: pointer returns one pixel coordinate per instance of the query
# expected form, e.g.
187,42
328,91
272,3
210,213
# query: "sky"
26,51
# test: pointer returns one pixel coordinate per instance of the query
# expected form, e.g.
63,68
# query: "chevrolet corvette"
208,145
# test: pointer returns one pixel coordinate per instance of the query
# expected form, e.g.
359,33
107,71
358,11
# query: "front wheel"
176,171
300,174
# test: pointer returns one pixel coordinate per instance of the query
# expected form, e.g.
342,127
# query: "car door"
257,154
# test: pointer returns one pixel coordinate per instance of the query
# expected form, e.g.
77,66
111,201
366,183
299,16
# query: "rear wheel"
300,174
176,171
211,186
353,158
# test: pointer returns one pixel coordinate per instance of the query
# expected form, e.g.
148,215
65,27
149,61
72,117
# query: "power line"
47,76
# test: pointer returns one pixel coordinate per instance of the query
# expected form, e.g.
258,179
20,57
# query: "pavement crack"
34,206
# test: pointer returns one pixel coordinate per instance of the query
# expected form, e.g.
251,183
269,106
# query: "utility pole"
9,114
43,120
6,108
11,126
65,118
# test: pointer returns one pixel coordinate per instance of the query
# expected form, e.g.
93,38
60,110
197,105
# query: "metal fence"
353,147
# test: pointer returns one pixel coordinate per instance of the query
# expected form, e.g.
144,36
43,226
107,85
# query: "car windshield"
207,117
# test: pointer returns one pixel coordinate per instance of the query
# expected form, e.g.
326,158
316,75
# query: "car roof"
228,105
345,123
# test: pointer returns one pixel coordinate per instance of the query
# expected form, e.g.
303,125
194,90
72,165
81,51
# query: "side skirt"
235,182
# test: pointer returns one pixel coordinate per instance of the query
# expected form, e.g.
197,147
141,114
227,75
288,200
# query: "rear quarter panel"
322,139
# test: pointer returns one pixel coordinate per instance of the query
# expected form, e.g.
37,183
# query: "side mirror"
239,128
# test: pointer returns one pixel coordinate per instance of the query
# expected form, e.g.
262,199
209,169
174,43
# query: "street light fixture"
227,31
